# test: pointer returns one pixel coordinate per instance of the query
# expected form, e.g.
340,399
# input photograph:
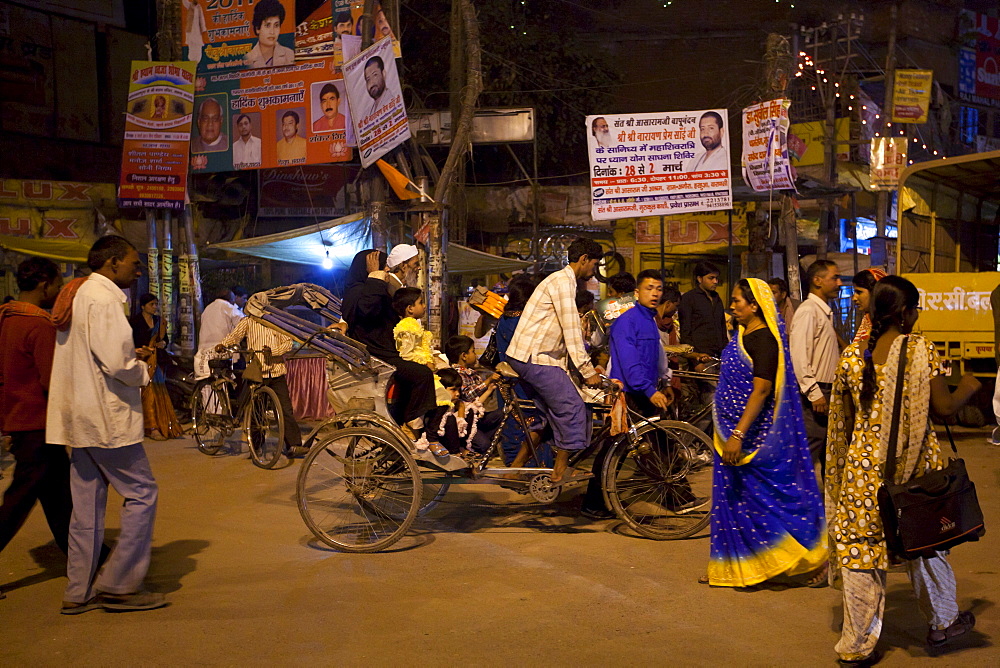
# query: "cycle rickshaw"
364,482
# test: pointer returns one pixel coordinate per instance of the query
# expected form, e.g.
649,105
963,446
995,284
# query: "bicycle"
257,412
361,488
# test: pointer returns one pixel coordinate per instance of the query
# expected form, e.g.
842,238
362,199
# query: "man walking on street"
95,407
815,351
547,338
27,339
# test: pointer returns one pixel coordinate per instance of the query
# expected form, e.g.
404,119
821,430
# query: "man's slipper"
70,608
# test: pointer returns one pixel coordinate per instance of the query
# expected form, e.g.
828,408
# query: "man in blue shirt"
637,356
639,362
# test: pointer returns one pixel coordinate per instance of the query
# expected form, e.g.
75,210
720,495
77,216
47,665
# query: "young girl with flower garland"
454,427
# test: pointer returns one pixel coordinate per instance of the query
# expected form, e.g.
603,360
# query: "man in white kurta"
217,320
95,408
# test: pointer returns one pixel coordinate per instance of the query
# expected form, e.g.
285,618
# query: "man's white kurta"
95,396
217,320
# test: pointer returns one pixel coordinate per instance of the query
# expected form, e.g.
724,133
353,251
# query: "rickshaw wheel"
359,490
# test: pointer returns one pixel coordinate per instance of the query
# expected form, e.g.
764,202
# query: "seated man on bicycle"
547,338
274,346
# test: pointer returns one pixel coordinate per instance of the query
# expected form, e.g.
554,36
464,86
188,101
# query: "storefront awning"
57,250
345,237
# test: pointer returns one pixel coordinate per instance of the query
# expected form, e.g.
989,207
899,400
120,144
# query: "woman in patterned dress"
861,413
767,509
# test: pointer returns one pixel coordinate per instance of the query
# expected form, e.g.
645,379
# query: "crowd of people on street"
800,416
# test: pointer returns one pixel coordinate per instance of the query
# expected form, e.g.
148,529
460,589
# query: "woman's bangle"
737,434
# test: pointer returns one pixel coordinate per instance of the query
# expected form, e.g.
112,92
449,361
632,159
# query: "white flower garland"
463,425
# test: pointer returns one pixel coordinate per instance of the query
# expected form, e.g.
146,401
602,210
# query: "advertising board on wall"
979,58
272,117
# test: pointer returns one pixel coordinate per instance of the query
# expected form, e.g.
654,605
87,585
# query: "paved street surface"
496,584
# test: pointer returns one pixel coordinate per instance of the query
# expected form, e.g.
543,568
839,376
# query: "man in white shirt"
547,339
246,147
815,351
95,408
711,129
217,320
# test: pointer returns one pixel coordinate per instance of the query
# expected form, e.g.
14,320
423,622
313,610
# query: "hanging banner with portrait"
658,164
274,117
157,131
766,165
376,100
222,35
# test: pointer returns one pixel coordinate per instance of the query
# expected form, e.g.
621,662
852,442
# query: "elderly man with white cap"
402,266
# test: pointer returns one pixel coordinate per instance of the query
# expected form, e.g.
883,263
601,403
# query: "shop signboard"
979,58
911,95
658,163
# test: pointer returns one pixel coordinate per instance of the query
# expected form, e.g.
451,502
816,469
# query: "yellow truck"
949,225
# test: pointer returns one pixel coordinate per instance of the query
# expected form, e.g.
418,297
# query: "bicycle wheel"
210,415
662,488
359,490
432,494
265,427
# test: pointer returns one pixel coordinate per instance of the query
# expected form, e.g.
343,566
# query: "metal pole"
730,269
663,234
153,256
167,273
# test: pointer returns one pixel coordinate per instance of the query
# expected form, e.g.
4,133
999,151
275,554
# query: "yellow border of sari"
765,299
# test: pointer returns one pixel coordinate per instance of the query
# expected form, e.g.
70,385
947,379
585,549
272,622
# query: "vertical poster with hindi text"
766,164
658,163
888,159
275,117
377,110
157,131
222,35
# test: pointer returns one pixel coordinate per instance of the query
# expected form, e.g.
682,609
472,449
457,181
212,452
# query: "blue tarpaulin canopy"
344,237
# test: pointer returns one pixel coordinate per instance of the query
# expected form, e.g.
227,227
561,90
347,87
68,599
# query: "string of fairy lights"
873,124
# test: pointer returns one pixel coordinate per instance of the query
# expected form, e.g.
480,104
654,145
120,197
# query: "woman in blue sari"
767,510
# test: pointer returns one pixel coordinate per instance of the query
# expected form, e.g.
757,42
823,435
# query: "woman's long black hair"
891,298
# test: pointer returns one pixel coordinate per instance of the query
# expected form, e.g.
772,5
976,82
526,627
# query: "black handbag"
932,512
491,356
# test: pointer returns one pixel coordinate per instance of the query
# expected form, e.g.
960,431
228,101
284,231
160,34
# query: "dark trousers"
414,391
41,474
816,424
293,434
